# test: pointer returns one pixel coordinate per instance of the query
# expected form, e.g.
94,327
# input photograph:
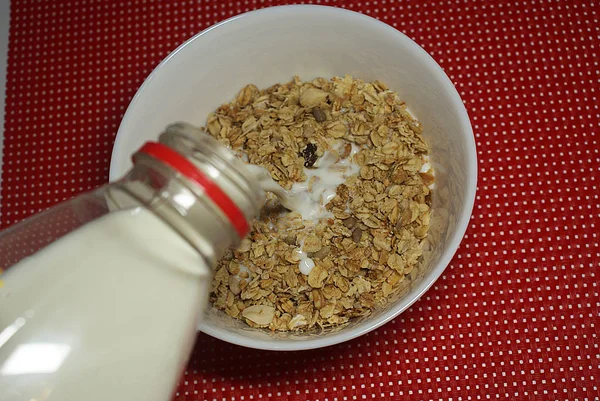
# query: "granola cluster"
370,248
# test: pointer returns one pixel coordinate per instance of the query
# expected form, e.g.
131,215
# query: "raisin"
310,155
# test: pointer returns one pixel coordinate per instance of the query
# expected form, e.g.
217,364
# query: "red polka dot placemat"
516,314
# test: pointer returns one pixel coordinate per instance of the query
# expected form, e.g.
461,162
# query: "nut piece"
247,95
234,285
262,315
312,97
337,129
318,299
297,322
404,219
213,125
347,151
395,262
327,311
321,253
312,243
386,289
319,114
316,276
350,222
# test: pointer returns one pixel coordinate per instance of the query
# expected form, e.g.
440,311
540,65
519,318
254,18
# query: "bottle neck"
195,185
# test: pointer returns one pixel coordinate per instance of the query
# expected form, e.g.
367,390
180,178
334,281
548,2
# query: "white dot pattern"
516,314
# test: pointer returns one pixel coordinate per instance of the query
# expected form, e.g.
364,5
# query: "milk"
310,197
306,263
327,174
108,312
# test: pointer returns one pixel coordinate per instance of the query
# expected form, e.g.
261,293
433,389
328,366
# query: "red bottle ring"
183,166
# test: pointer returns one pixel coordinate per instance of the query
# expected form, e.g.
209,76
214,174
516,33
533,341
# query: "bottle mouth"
194,143
213,172
204,182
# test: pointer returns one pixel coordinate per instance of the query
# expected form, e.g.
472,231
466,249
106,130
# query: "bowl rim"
462,223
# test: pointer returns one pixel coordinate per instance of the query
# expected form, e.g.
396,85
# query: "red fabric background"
516,314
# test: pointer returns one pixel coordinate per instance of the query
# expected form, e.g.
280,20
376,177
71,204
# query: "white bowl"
270,46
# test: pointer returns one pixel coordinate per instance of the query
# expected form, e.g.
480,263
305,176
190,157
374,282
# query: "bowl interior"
270,46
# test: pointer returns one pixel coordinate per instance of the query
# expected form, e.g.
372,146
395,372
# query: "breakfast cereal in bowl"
352,159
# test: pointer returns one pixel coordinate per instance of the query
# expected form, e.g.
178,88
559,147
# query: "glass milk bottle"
101,296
